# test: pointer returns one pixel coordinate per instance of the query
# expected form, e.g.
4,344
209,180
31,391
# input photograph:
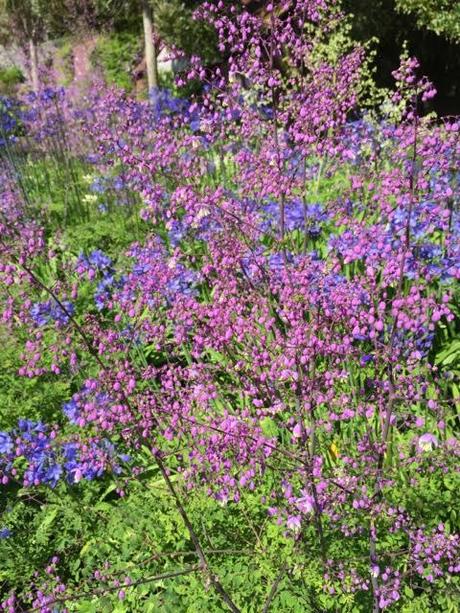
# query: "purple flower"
305,504
294,523
427,442
297,431
375,571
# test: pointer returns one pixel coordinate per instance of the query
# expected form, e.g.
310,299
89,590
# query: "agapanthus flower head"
71,411
96,260
50,311
6,443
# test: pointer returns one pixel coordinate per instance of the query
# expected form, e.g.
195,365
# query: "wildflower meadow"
230,335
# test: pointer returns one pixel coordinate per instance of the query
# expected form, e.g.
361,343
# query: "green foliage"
22,20
446,356
385,22
64,55
115,55
340,41
141,535
10,77
174,24
38,399
440,16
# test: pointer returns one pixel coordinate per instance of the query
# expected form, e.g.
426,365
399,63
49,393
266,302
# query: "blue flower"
276,261
6,443
93,158
297,216
118,183
99,259
27,425
103,292
5,533
176,233
8,121
194,125
98,186
428,251
69,451
105,289
183,283
45,312
71,411
52,474
164,103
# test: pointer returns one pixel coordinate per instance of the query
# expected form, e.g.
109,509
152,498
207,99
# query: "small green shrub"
115,55
10,78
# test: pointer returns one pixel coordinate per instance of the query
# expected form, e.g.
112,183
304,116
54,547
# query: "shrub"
10,78
115,56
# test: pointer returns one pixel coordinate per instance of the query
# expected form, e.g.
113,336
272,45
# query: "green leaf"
269,427
111,488
449,354
49,519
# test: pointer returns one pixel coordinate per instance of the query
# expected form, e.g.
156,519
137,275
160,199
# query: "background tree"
24,21
175,25
430,37
150,46
440,16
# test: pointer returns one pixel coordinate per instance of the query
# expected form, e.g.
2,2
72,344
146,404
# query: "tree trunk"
33,59
150,51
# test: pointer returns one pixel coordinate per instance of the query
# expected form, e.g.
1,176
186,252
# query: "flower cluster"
267,332
34,454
